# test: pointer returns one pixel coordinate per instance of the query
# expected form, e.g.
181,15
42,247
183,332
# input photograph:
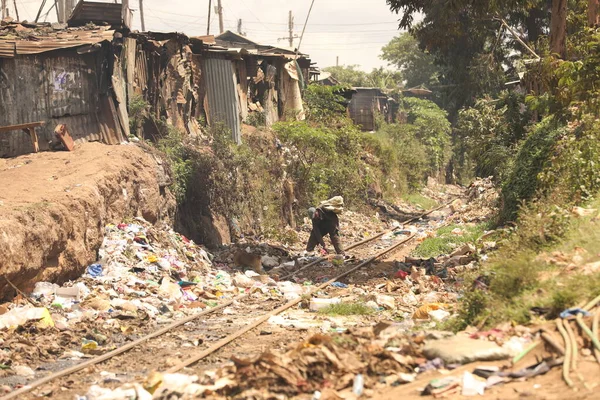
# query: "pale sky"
354,30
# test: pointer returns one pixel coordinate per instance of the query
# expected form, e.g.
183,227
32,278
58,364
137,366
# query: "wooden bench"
27,128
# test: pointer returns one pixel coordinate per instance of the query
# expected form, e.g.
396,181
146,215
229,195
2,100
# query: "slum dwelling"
84,74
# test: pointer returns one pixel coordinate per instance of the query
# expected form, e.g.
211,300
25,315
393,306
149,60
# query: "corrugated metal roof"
222,94
11,46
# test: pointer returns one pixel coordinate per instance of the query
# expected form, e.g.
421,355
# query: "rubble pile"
482,202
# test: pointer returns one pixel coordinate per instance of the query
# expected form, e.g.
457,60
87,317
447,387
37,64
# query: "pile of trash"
145,275
483,198
347,365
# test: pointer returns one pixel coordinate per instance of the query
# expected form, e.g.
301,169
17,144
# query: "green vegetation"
419,200
417,67
351,75
347,309
331,151
138,111
521,280
445,241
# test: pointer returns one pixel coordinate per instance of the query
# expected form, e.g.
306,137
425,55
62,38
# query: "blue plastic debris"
573,312
339,285
95,270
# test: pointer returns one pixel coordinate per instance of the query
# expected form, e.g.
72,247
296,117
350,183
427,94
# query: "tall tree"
465,38
417,67
558,28
593,13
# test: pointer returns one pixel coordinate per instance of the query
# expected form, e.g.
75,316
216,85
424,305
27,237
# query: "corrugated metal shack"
367,103
60,77
86,76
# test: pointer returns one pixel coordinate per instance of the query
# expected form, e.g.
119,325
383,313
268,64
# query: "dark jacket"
325,223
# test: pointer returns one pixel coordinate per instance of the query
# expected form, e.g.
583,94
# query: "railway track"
197,325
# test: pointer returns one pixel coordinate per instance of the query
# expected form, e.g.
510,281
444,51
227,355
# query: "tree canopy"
417,67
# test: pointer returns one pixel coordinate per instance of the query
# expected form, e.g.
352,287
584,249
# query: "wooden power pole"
16,10
208,24
142,16
239,27
3,9
220,12
291,29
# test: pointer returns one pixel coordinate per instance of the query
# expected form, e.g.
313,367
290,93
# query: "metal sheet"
222,94
97,12
363,107
57,88
73,38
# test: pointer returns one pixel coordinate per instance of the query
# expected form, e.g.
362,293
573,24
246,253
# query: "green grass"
417,199
347,309
520,279
445,241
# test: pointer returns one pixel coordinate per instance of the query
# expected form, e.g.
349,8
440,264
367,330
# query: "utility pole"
209,10
61,7
220,11
291,29
239,27
142,15
337,61
3,9
290,38
16,10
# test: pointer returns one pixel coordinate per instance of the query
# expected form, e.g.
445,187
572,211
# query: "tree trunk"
593,13
534,24
558,28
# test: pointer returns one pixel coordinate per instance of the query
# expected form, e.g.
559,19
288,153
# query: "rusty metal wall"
58,87
222,94
363,107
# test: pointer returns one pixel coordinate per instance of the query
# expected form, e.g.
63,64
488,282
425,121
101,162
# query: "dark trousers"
335,241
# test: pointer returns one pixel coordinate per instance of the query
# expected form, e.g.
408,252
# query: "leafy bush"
432,129
325,104
138,110
532,156
325,161
574,166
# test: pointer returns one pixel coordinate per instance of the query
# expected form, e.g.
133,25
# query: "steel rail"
367,240
279,310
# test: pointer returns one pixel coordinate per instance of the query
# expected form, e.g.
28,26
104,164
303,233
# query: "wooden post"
34,139
16,10
3,9
208,24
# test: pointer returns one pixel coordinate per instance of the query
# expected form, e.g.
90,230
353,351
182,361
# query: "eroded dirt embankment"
54,206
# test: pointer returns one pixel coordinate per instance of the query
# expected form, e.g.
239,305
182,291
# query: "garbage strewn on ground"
358,362
145,276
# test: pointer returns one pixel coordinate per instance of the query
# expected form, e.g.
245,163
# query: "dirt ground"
54,206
